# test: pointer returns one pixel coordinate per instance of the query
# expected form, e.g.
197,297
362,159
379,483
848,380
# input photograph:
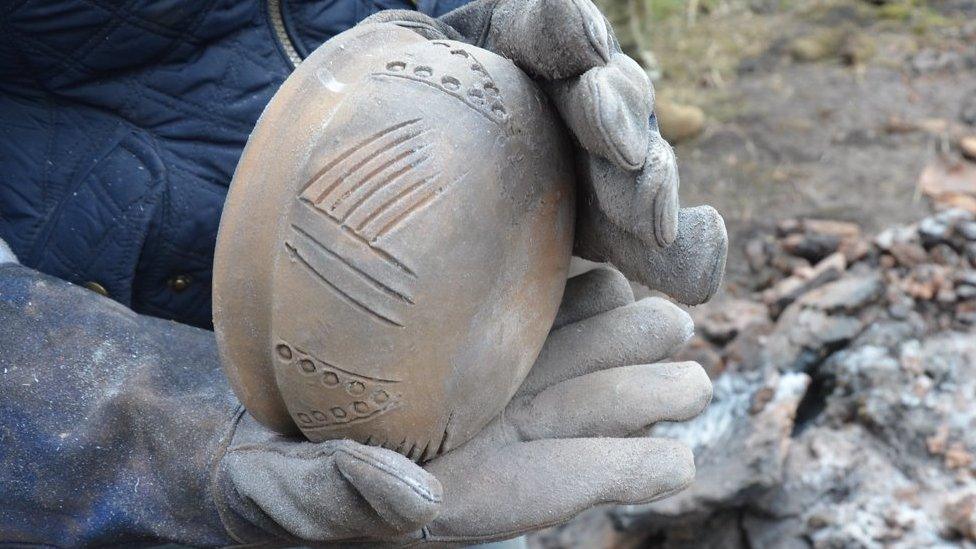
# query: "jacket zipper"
281,34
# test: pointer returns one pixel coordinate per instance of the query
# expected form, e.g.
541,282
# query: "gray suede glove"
119,428
559,448
628,204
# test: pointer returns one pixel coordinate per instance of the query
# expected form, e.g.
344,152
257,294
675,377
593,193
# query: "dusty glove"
629,211
118,428
6,254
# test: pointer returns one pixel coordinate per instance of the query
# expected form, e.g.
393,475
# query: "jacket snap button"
178,283
96,287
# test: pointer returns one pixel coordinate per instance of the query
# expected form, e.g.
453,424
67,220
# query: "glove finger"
591,293
401,493
615,402
422,24
643,204
641,333
608,108
330,491
530,485
550,39
689,270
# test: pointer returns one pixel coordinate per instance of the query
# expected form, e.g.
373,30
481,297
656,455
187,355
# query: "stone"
679,122
847,295
811,246
756,254
961,516
700,351
944,254
950,185
368,282
908,254
967,230
894,235
843,230
813,48
722,320
966,292
968,146
934,230
789,289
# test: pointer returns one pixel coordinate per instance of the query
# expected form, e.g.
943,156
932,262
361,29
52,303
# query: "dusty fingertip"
677,459
675,319
666,213
595,26
406,496
699,389
721,237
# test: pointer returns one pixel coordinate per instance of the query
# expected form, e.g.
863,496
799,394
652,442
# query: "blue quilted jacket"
121,122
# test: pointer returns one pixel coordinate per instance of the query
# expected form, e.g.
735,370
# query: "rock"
967,230
720,321
756,254
788,226
925,281
965,278
811,246
908,254
854,250
950,184
841,229
961,516
745,351
958,457
889,237
816,47
679,122
847,295
701,351
968,146
934,230
841,489
789,289
943,254
966,292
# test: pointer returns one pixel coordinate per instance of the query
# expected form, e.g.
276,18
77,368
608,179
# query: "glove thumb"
400,492
324,492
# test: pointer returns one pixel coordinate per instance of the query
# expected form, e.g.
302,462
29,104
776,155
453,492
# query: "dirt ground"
812,109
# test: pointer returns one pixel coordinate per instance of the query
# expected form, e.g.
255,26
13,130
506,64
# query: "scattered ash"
845,399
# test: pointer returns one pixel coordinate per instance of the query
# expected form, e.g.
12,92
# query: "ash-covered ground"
845,399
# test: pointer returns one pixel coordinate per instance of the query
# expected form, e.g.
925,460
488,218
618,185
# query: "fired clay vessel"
394,244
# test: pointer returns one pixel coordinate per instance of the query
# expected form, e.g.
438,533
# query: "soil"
819,109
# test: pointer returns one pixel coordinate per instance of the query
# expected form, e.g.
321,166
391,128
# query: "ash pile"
845,399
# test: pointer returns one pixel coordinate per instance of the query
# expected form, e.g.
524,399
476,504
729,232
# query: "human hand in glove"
628,203
120,428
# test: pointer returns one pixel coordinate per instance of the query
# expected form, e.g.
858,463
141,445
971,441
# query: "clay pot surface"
394,244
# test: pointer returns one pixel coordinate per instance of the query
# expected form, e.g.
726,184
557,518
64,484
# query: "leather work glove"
118,428
628,203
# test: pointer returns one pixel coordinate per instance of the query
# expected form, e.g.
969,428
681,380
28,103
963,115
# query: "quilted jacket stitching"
124,226
145,24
